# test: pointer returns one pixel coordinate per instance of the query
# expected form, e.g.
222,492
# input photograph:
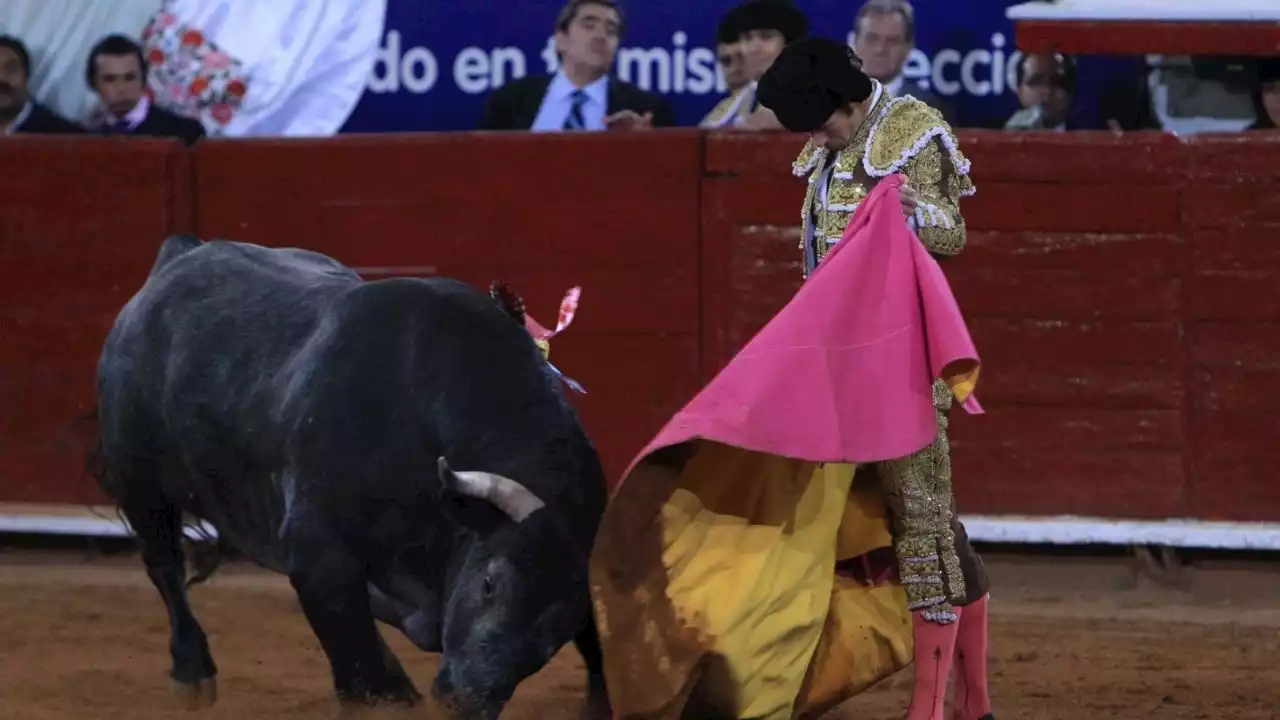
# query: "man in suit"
117,72
18,112
582,94
884,36
1047,92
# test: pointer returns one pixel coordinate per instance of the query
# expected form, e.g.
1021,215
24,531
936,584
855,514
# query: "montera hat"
780,15
810,80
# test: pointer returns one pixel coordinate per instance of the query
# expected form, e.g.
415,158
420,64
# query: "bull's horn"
509,496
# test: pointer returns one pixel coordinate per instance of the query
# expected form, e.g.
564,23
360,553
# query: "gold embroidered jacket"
730,110
901,134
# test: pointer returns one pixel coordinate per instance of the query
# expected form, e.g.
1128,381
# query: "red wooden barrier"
615,214
1121,289
1072,286
79,226
1231,216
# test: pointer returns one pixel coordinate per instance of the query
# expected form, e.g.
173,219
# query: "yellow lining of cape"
716,595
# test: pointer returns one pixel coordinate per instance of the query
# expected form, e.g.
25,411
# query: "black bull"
307,415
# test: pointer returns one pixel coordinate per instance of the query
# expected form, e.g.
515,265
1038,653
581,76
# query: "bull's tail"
205,550
86,437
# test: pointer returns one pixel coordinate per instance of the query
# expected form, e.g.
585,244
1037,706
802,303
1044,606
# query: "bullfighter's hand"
907,196
629,120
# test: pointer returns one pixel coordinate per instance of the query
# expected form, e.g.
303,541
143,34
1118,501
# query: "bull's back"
211,328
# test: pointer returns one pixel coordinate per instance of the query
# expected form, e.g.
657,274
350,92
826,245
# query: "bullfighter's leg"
939,569
971,699
332,587
158,525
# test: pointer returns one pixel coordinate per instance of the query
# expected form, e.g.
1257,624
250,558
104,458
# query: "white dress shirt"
558,102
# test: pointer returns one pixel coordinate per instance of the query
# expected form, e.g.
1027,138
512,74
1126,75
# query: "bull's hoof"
197,695
381,710
359,706
596,686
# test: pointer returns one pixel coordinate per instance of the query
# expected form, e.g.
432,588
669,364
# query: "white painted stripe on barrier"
75,521
1072,530
1013,529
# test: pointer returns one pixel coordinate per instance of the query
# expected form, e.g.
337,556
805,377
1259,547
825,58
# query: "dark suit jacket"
162,123
44,121
932,99
514,106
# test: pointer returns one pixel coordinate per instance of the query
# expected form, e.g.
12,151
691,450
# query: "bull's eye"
488,586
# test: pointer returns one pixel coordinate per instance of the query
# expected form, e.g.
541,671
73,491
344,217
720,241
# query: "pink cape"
844,372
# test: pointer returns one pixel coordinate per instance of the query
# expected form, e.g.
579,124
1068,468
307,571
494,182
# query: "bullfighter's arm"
914,139
939,187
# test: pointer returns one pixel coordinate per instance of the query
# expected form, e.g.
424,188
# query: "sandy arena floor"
1071,640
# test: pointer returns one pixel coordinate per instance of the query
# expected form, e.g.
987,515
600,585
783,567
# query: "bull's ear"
462,505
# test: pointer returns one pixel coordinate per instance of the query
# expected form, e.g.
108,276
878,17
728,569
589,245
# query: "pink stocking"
972,700
935,645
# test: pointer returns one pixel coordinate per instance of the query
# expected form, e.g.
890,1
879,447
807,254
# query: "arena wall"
1121,289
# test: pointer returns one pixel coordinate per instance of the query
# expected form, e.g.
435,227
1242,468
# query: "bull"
400,449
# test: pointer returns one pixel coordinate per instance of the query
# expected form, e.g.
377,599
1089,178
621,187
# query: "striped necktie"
576,121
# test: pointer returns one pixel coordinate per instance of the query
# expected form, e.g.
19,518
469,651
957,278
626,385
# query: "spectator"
1126,103
582,94
729,54
884,36
766,27
18,112
117,71
1266,95
1047,89
733,65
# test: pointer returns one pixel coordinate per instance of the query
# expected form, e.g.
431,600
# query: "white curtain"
307,61
59,34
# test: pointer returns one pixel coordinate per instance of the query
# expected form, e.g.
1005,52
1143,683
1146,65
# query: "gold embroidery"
918,491
932,175
720,113
903,129
809,155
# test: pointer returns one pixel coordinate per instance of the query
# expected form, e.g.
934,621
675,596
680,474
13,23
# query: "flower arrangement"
190,75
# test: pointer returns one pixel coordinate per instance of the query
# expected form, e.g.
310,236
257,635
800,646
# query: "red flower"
193,38
155,56
221,113
236,88
199,85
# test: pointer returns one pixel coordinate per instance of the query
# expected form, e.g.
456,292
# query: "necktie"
575,121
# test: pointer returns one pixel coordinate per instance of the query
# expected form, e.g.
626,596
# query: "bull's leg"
332,587
588,643
158,525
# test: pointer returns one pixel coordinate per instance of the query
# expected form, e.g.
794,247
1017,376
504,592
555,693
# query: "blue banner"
439,60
